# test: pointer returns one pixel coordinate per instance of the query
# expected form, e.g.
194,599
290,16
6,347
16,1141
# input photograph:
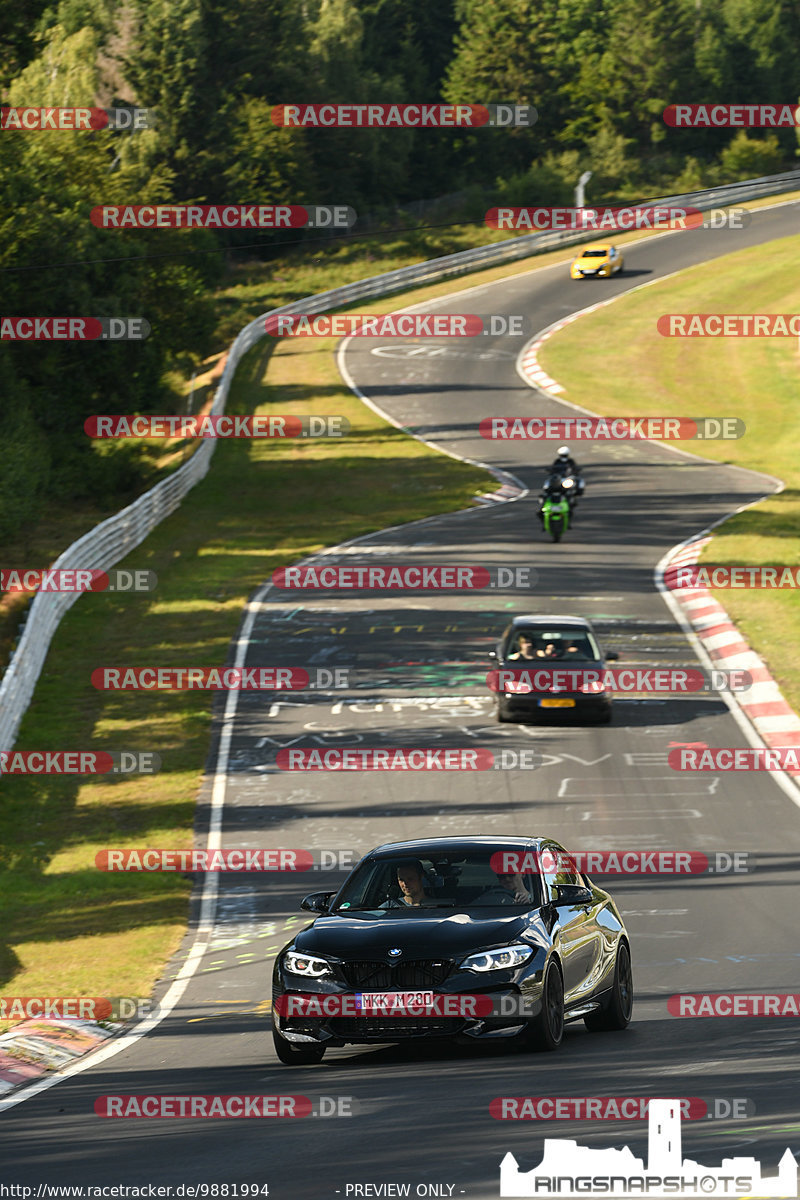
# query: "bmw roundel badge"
395,953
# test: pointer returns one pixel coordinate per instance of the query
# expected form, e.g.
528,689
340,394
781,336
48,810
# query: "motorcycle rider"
565,464
550,488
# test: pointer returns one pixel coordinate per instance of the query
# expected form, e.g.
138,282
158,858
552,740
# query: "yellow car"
600,258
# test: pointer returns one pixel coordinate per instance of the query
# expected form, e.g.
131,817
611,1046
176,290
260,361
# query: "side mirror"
573,894
317,902
612,656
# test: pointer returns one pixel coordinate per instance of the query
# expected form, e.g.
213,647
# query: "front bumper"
512,1007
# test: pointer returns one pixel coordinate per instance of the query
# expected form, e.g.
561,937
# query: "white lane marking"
624,814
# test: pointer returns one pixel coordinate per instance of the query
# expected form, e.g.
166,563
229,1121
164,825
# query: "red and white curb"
508,491
763,704
33,1048
529,365
528,361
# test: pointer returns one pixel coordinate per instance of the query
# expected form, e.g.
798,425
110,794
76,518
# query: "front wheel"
546,1032
296,1056
616,1011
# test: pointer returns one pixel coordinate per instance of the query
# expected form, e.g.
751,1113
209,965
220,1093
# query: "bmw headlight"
306,964
502,959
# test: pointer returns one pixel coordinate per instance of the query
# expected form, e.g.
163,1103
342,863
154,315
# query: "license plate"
385,1002
557,703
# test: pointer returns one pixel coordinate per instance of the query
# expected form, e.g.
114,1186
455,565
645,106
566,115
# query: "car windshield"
573,645
595,254
449,880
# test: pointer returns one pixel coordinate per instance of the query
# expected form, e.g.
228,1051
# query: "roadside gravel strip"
762,713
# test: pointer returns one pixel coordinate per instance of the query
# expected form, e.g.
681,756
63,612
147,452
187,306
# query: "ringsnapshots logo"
594,220
76,579
224,679
79,762
611,429
403,577
223,216
400,325
74,329
571,1172
404,116
217,425
748,325
732,116
41,119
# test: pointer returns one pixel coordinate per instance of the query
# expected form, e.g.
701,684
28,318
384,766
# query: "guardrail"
115,537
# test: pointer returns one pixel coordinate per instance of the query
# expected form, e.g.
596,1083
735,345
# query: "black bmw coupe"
465,937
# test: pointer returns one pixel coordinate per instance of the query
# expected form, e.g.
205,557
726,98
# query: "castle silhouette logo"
570,1171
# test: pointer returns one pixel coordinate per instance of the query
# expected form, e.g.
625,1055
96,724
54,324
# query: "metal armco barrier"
115,537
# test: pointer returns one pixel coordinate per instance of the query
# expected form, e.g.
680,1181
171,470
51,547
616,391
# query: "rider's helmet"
563,453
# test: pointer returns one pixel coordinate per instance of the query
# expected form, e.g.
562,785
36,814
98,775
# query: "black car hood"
451,936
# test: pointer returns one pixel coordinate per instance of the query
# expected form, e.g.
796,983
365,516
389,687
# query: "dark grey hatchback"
550,666
465,937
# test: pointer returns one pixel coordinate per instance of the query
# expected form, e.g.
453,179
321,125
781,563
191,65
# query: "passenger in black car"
525,649
513,885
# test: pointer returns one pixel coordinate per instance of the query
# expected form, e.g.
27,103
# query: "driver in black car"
411,880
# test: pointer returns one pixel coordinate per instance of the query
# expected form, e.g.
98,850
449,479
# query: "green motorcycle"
555,511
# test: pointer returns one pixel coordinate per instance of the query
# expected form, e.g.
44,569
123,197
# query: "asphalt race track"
418,664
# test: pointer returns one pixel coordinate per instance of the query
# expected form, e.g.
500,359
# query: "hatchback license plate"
557,703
